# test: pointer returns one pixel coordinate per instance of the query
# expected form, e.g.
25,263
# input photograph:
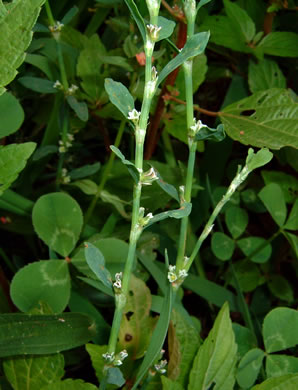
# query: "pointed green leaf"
280,329
51,285
12,114
207,133
130,166
80,108
278,365
57,219
280,43
158,336
236,220
167,384
38,84
249,368
120,96
168,188
43,334
249,245
265,75
241,21
293,240
244,339
87,186
183,211
285,382
202,3
33,372
274,201
13,159
84,171
98,362
292,222
222,246
15,31
216,358
96,262
288,183
259,159
137,17
267,118
281,288
193,47
115,377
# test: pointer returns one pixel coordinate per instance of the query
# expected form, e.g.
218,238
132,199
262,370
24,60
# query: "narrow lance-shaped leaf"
267,118
15,31
193,47
119,96
137,17
96,262
43,334
80,108
182,212
130,166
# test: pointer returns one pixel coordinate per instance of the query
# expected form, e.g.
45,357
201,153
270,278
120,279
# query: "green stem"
49,13
62,155
62,66
135,231
106,173
168,150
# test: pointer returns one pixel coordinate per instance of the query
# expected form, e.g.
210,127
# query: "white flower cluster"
118,283
58,85
116,360
173,276
57,27
147,178
65,145
197,125
65,178
160,367
134,116
72,89
153,32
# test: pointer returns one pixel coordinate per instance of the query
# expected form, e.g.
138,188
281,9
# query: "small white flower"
182,274
160,368
134,115
153,31
57,84
172,276
197,125
72,89
109,357
123,354
70,137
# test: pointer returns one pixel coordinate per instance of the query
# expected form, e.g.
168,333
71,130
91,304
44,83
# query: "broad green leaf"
16,24
89,67
281,288
249,245
265,75
241,21
43,334
244,339
211,291
71,384
35,372
158,336
274,201
44,151
80,108
207,133
43,63
280,329
182,212
236,220
267,118
12,114
249,368
288,183
293,240
98,362
259,159
292,222
136,326
222,246
58,220
183,341
46,280
280,43
96,262
216,358
117,61
167,28
168,188
193,47
84,171
278,365
13,159
87,186
137,17
285,382
114,200
248,275
38,84
168,384
120,96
